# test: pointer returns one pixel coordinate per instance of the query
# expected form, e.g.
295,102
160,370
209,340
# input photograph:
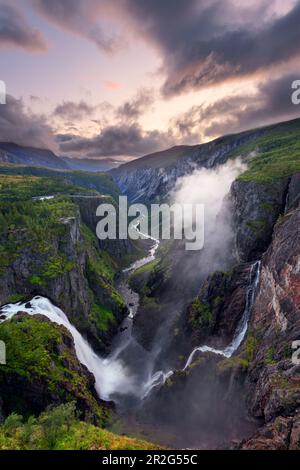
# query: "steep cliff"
47,250
273,382
42,370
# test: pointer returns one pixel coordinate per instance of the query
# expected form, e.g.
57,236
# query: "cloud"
22,127
270,103
133,109
79,17
74,111
111,85
206,42
118,140
15,32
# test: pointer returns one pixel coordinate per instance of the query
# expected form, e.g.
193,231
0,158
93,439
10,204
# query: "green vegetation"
40,352
258,225
23,188
147,268
245,356
63,181
270,356
103,317
100,274
31,225
15,298
200,315
56,266
100,263
60,429
273,155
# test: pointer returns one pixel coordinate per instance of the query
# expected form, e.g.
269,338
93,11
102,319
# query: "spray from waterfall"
109,375
160,377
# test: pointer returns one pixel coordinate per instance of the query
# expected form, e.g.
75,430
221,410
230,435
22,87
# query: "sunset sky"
123,78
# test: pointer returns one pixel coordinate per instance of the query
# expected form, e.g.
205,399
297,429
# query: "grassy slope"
277,147
59,429
273,155
103,183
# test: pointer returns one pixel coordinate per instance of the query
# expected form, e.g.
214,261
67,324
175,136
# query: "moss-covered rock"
42,369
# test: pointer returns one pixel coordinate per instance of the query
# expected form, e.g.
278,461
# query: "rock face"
256,208
203,406
261,381
216,311
273,377
42,369
282,434
88,207
152,178
68,276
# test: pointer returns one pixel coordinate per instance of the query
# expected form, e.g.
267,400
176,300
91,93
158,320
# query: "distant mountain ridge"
15,154
19,155
88,164
152,177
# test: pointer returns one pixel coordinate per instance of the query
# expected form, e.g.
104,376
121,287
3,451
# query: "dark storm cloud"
79,17
73,111
205,42
128,140
15,32
270,103
23,128
134,108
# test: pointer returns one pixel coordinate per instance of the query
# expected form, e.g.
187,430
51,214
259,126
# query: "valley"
183,349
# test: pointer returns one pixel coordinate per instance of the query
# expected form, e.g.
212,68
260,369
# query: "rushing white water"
160,377
106,377
243,324
119,373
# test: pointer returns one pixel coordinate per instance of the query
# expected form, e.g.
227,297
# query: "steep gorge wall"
69,269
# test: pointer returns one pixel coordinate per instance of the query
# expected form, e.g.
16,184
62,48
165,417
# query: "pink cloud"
112,85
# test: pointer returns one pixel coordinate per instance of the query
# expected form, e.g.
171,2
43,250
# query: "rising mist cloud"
211,187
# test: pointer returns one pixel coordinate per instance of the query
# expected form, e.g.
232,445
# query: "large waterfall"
108,376
127,370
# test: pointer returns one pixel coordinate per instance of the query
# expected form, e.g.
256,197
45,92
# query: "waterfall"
125,371
160,377
242,327
109,375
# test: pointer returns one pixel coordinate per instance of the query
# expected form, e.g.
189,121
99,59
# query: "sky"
119,79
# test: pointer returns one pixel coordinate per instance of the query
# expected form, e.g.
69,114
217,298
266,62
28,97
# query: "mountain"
207,359
18,155
152,177
89,164
15,154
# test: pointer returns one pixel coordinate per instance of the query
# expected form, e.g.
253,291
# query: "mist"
211,188
197,409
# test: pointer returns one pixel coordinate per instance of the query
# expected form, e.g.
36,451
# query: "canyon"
186,349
